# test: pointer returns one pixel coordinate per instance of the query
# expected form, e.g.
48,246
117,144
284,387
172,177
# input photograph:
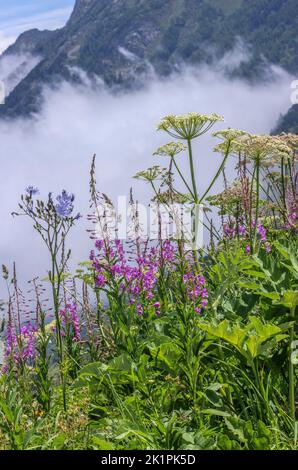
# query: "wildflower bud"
5,272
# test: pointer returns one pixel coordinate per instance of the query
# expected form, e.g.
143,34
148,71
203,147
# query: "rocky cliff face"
121,41
30,42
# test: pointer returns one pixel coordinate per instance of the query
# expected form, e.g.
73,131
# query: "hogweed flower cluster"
291,140
188,126
170,150
151,174
234,198
267,150
228,136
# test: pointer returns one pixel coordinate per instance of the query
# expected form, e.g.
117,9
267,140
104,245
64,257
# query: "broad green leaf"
247,339
290,299
101,444
167,353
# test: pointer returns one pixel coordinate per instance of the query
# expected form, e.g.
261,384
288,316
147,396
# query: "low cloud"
14,68
6,40
54,151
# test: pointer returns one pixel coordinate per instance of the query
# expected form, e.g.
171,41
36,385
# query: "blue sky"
17,16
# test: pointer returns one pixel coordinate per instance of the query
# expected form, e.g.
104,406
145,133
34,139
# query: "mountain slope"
120,41
289,122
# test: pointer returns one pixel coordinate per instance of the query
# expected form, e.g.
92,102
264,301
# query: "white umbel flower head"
228,136
188,126
151,174
170,150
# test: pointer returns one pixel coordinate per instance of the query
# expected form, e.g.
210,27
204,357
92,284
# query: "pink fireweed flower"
262,233
99,244
229,231
242,230
70,321
140,309
138,277
157,308
100,280
11,341
292,209
20,346
293,220
196,290
28,339
168,251
135,277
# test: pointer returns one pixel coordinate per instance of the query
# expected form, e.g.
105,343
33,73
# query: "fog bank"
54,151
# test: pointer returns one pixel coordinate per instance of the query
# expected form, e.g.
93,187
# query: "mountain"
123,41
289,122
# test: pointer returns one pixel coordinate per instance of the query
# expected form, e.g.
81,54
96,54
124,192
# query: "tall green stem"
196,198
257,176
291,369
56,283
217,174
251,208
192,171
283,185
258,189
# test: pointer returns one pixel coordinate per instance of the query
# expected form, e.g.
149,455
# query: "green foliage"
181,349
250,340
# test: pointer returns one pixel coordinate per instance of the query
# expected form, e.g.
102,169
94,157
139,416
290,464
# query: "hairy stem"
291,369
